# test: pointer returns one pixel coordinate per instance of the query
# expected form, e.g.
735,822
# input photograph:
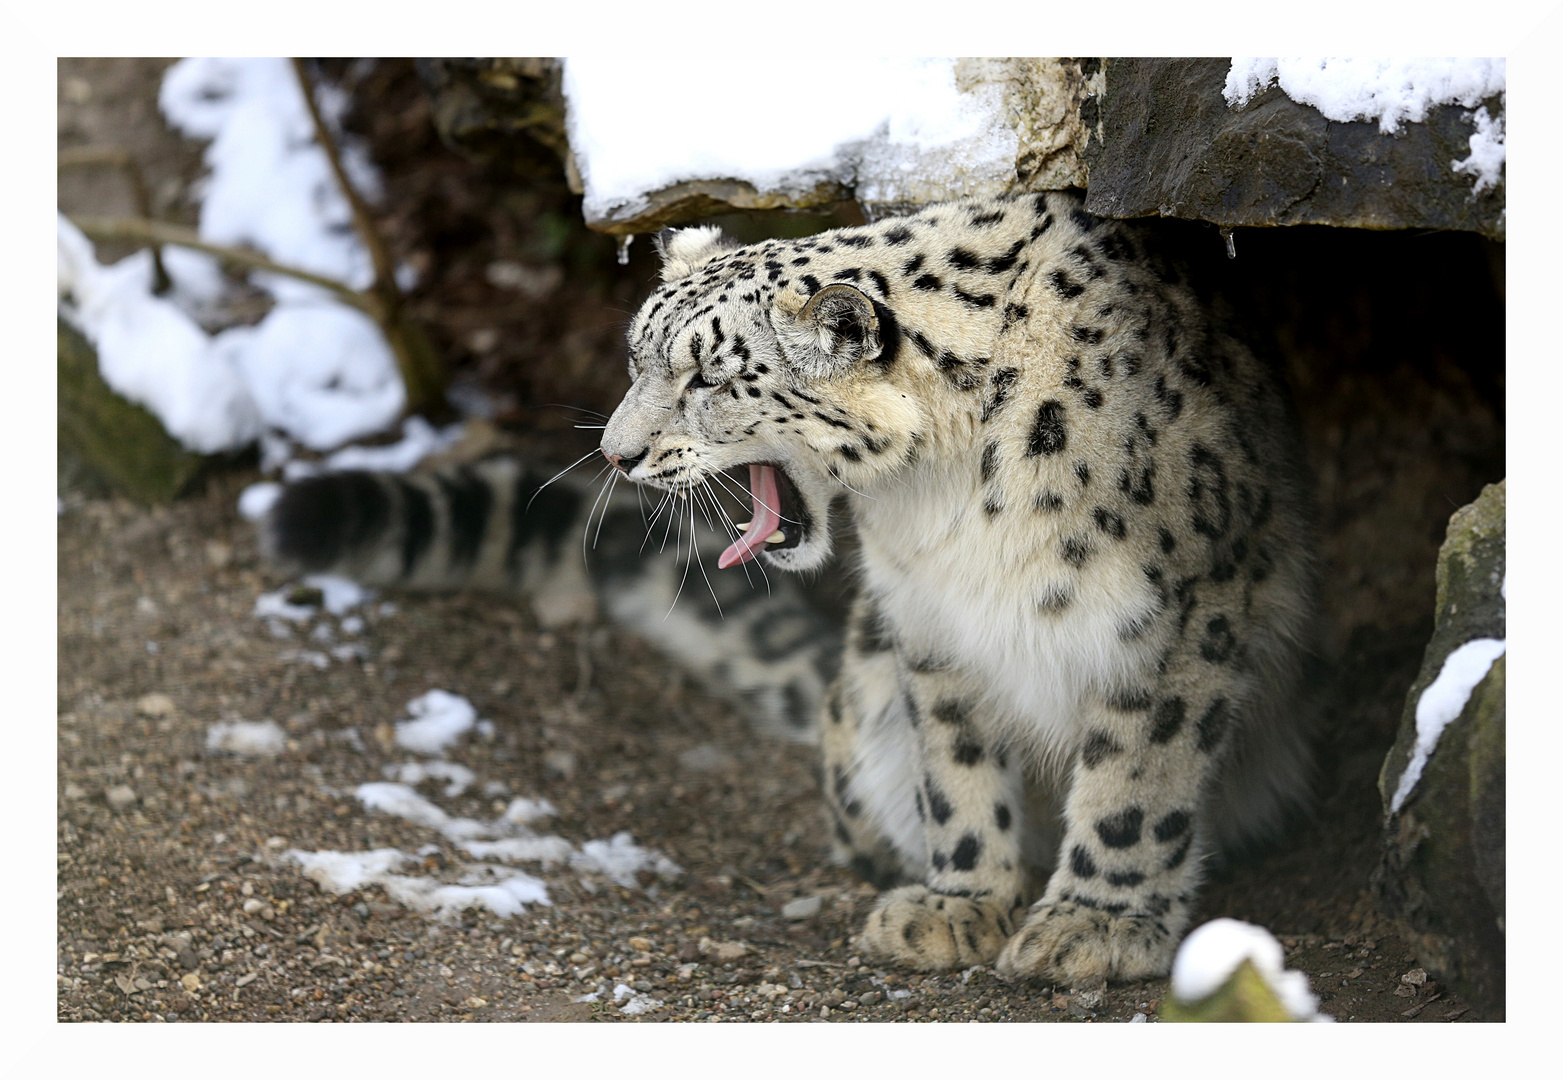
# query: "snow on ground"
1443,701
439,718
490,881
1389,90
264,739
630,1001
313,367
886,124
1212,952
458,778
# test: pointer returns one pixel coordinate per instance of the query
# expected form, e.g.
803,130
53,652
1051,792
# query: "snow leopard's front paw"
931,932
1073,944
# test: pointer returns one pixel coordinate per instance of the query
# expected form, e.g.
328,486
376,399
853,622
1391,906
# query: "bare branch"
88,157
141,231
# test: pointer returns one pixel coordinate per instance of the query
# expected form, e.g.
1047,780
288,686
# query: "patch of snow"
524,811
1212,952
547,850
318,370
339,594
404,802
270,185
502,891
439,718
885,125
263,739
505,896
631,1002
343,871
457,777
1443,701
419,440
1487,152
620,859
1389,90
256,499
275,605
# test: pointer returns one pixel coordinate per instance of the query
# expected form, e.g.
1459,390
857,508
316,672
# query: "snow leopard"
1076,514
1074,668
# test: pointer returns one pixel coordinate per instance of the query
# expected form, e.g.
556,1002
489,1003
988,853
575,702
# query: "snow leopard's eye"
698,381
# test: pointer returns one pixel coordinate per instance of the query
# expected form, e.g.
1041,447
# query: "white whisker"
558,474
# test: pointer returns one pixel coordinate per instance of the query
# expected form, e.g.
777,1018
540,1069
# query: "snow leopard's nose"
625,464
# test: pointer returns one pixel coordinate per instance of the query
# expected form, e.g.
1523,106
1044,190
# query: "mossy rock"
1442,871
118,441
1245,998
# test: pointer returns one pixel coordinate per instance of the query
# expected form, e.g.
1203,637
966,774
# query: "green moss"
118,441
1245,998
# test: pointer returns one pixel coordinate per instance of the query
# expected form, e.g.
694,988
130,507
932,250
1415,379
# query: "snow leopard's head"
752,377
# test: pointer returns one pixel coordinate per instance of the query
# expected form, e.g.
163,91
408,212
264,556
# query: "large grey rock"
1145,137
1168,144
1442,871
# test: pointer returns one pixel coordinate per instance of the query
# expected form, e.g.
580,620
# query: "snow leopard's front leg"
969,801
1119,899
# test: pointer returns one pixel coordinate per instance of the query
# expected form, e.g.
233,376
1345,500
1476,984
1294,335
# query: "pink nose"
618,461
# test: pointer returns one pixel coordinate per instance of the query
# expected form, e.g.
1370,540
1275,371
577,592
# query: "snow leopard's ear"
833,331
684,251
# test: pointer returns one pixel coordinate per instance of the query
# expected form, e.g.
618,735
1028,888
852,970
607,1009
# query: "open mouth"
777,521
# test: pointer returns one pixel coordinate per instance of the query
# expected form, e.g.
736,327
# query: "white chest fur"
995,595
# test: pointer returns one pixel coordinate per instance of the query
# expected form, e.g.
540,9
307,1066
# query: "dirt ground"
176,900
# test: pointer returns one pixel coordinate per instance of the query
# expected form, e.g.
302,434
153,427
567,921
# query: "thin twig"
139,231
88,157
384,271
422,373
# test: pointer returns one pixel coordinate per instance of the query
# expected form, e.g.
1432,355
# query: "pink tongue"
767,517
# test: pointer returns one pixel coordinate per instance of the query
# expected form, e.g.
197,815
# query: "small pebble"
121,797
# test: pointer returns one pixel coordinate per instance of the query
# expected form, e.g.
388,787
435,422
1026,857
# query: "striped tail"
499,525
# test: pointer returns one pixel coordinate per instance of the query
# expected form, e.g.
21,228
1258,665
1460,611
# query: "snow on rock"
887,126
152,352
1442,702
313,367
1487,152
264,739
1212,952
1389,90
439,718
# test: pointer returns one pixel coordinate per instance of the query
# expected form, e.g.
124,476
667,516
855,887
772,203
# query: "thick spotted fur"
1073,671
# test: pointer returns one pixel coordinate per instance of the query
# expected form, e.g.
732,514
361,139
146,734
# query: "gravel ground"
176,901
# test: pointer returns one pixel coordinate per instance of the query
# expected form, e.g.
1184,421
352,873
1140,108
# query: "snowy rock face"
889,133
1443,784
1365,143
